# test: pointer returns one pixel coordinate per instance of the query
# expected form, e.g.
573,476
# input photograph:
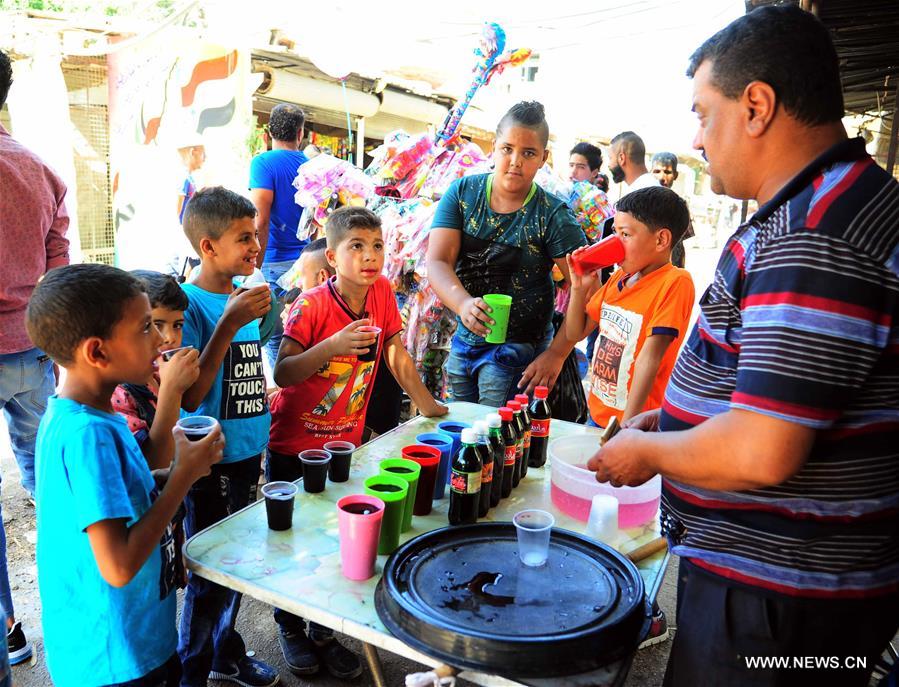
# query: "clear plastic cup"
602,523
279,498
533,528
197,426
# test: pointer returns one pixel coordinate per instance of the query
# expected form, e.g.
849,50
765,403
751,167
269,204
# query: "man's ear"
322,276
675,175
331,257
759,103
545,154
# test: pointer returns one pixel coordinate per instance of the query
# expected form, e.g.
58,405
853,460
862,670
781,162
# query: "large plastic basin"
573,486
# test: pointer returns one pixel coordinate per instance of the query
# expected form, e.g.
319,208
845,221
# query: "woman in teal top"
501,233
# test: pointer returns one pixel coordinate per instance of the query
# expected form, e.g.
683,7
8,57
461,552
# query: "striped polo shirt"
802,323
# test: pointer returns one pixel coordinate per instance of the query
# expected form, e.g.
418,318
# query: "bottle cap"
514,405
505,413
494,420
541,392
469,436
522,399
480,427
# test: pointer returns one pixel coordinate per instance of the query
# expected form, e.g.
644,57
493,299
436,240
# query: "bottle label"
487,473
527,440
519,450
466,482
510,455
540,428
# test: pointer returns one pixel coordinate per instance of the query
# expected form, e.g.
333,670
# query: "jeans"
207,636
273,271
166,675
721,623
288,468
26,382
489,373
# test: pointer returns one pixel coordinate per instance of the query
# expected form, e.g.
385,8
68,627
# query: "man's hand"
619,462
543,371
474,315
433,409
350,341
246,305
581,282
181,371
194,459
647,421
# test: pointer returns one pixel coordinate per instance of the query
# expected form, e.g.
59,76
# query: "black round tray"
461,595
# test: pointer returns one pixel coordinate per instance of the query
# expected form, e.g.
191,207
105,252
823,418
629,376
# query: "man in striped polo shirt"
779,434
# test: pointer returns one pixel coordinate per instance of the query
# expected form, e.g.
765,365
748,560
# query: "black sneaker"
340,661
247,672
299,652
19,648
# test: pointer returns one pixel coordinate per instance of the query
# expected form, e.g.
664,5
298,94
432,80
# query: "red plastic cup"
359,519
429,459
604,253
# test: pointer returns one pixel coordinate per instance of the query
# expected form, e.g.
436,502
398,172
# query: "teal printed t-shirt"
237,396
509,253
89,469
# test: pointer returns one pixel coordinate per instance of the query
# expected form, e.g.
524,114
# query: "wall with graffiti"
173,89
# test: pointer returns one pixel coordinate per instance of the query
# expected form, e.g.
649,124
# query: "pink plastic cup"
359,523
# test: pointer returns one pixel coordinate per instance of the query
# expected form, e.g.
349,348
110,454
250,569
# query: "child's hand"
246,305
580,282
474,315
349,341
181,371
434,409
193,459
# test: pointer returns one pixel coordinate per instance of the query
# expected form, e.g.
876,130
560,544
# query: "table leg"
374,664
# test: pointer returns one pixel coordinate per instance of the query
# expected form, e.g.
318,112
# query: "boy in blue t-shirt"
222,322
105,555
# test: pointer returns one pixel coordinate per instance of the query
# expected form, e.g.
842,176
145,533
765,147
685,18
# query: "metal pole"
894,136
360,142
374,664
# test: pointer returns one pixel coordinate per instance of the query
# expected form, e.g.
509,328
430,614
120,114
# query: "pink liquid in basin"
629,514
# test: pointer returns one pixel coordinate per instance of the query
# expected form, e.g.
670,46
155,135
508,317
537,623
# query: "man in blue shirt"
272,192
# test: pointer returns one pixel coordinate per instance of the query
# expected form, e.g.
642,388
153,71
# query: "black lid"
460,594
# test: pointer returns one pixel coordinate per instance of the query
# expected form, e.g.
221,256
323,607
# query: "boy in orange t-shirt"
642,310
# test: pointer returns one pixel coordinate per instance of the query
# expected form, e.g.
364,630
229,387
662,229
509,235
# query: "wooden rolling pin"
648,549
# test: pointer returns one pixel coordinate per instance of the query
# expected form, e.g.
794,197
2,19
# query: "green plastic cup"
409,471
392,490
500,305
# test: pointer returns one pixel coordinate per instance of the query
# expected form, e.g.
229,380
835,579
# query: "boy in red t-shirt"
326,382
642,311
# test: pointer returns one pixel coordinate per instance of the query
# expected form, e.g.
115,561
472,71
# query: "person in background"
664,168
776,439
584,162
627,162
602,183
192,158
277,214
33,224
152,408
501,233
